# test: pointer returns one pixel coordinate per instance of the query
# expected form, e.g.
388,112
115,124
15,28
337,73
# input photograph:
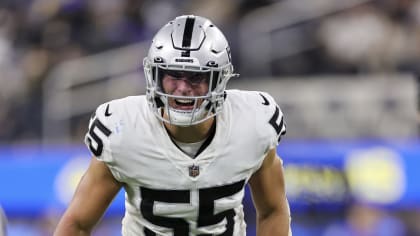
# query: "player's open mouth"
184,104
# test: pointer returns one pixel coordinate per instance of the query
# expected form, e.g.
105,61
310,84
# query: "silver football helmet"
194,46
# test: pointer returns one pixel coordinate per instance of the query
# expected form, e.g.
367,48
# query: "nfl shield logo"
194,170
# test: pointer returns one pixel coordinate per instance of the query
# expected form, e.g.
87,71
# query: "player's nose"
183,85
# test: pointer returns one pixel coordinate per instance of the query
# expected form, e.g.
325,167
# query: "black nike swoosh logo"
266,102
107,111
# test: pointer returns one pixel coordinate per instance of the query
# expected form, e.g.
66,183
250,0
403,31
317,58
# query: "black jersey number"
97,151
206,216
273,122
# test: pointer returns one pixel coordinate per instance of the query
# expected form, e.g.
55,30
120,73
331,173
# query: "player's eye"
192,77
197,78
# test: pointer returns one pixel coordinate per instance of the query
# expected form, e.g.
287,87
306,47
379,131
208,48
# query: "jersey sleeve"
272,125
98,137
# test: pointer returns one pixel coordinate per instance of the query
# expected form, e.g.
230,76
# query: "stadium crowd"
35,36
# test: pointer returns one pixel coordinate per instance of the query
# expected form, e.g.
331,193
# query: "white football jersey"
167,191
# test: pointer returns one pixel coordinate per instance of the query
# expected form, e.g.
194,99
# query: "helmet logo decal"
185,53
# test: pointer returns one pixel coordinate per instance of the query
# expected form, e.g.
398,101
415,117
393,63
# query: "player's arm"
268,194
95,192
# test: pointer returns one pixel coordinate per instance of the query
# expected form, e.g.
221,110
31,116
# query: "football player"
185,151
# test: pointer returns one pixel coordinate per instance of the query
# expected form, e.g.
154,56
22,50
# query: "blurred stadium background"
344,72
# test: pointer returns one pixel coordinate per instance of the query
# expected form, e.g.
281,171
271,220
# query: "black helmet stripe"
186,38
188,30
